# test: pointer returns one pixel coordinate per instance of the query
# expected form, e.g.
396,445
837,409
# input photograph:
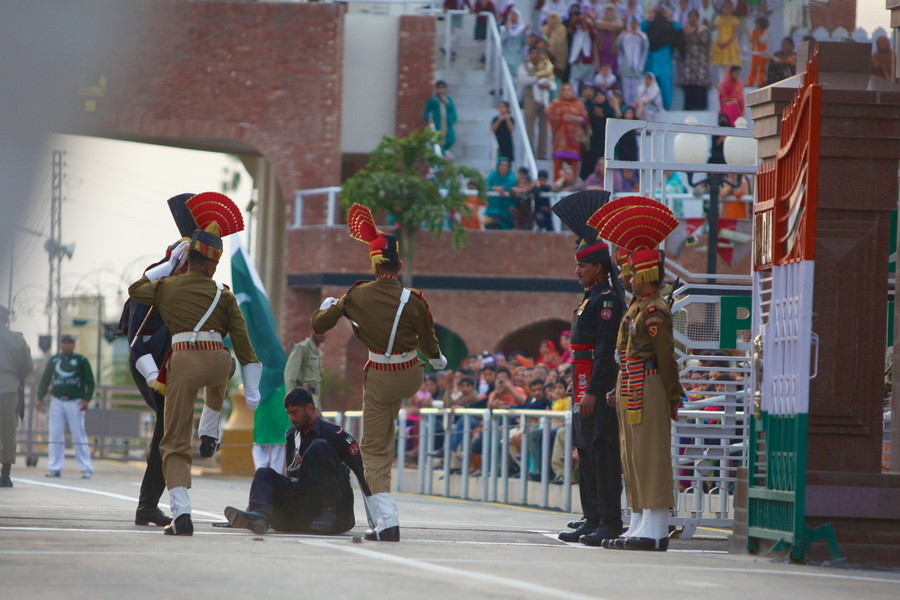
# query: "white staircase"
469,84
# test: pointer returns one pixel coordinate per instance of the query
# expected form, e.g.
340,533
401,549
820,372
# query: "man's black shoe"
575,534
603,533
646,544
146,516
325,521
391,534
254,521
208,446
575,524
182,525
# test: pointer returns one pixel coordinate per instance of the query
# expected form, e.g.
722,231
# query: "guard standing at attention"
15,366
593,339
649,393
199,312
394,322
69,379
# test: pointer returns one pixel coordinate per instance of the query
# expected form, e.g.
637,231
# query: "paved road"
73,538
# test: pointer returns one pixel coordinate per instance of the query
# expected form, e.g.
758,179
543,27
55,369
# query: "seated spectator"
499,181
487,379
595,179
568,181
523,192
627,146
731,95
542,215
475,204
649,99
505,394
883,59
547,355
605,81
462,393
565,352
782,64
734,186
626,180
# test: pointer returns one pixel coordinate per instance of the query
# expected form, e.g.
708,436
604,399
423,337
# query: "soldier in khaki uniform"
15,366
648,394
304,367
393,322
199,312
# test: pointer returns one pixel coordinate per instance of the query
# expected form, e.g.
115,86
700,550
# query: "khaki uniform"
304,369
371,307
182,301
646,334
15,364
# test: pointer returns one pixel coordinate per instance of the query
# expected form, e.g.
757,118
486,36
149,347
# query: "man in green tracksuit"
69,379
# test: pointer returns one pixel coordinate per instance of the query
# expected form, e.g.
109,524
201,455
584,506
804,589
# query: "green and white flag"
269,421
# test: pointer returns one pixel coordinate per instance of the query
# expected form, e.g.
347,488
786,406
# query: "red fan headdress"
362,228
212,207
639,227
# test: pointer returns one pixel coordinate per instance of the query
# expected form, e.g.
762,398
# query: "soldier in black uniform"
316,495
593,342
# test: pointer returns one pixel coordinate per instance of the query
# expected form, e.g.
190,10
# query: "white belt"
393,359
202,336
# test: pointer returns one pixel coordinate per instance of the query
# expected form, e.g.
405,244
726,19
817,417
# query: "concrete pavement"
74,538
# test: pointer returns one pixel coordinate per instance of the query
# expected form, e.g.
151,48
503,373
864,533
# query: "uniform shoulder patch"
606,291
353,449
652,329
656,320
606,314
651,309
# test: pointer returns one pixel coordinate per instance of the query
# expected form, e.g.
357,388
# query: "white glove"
328,303
146,366
252,373
176,259
438,363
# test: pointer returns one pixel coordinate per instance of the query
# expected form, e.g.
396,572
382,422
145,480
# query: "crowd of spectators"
497,381
541,382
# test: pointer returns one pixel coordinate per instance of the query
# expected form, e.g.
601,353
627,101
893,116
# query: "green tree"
416,187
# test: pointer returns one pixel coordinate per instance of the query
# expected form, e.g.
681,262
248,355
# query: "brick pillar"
857,190
415,72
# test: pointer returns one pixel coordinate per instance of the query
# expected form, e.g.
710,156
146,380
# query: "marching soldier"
199,312
393,322
592,343
15,366
649,393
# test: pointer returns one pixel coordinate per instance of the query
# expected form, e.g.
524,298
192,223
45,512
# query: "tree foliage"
415,187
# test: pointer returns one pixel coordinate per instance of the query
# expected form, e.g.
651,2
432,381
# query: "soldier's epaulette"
651,309
417,293
356,283
225,286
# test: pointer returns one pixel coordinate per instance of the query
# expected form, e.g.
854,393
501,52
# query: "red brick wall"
415,73
266,75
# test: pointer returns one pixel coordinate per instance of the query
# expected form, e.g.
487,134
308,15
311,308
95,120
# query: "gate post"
857,190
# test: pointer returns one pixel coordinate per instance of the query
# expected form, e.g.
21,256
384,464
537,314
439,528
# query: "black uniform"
155,340
319,478
595,326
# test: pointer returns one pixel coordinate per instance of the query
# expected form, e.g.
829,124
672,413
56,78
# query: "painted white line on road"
419,565
158,531
59,486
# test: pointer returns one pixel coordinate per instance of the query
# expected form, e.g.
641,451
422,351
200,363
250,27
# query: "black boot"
208,446
5,481
325,521
603,533
391,534
575,534
146,516
576,524
242,519
182,525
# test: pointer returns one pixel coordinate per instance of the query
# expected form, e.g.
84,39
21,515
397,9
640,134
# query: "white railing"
709,444
500,76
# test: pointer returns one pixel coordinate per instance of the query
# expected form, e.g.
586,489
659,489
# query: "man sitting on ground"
316,496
